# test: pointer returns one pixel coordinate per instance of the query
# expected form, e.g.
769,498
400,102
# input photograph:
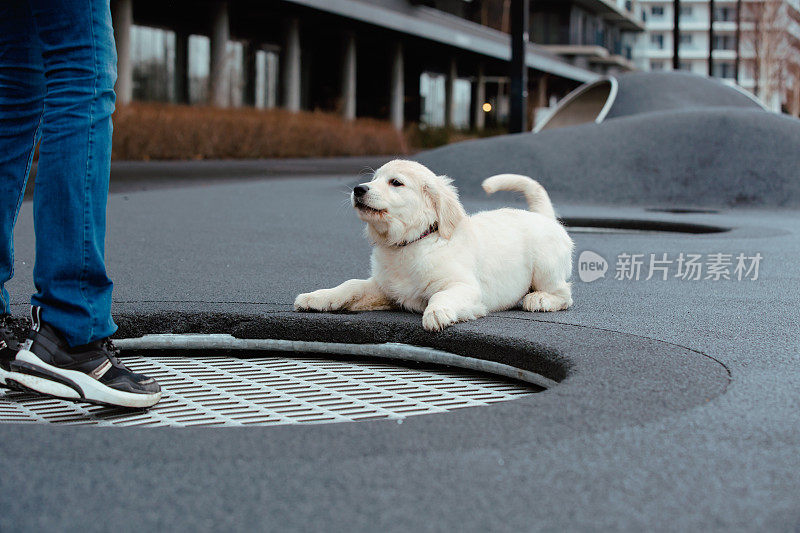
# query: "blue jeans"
57,73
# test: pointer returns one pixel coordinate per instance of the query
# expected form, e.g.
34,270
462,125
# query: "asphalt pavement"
678,406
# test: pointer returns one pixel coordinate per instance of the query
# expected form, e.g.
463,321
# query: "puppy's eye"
395,183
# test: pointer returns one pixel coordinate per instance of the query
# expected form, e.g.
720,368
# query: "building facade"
598,35
400,60
595,35
758,49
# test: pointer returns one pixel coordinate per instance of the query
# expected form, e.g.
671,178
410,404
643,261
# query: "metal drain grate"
232,391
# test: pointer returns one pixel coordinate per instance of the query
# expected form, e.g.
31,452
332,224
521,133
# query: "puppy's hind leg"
556,299
549,291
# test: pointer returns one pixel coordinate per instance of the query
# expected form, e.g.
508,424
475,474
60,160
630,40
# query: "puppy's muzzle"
360,190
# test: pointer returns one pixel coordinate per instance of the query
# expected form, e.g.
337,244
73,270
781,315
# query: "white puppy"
430,257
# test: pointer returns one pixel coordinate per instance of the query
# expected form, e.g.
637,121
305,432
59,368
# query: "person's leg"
67,353
71,192
21,103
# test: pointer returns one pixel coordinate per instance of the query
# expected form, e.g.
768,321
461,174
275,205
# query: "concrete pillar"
123,20
249,70
218,73
480,99
541,91
397,104
291,67
182,67
349,78
541,96
449,94
530,108
271,68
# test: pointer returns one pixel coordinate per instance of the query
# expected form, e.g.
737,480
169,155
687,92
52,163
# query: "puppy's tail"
537,197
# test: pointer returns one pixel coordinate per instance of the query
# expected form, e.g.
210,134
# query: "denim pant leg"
71,192
21,104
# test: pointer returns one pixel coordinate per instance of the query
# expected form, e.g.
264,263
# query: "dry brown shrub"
144,131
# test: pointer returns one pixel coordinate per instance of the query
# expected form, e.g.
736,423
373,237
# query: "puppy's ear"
449,211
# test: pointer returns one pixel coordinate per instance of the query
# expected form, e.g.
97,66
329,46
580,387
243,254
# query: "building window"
234,78
462,101
725,14
153,59
266,79
199,52
724,70
656,65
657,40
686,38
199,71
432,91
724,42
657,11
686,12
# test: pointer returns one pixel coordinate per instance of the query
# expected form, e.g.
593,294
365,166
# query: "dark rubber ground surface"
680,409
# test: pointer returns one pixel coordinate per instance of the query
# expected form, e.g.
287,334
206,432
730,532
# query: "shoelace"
6,331
112,352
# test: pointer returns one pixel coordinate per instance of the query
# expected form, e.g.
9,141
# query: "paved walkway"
680,408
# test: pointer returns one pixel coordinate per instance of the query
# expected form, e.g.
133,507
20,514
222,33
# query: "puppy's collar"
432,229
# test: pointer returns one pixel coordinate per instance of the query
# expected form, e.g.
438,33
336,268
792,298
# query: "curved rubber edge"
93,391
601,116
612,97
389,350
748,94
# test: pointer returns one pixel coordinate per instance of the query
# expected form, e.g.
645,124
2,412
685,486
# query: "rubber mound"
703,157
647,92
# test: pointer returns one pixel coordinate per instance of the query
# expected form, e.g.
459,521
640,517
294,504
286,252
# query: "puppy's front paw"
314,301
302,302
438,319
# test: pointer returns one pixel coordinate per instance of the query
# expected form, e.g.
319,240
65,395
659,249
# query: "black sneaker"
8,348
91,373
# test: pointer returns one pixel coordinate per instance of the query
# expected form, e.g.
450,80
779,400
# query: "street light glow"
487,107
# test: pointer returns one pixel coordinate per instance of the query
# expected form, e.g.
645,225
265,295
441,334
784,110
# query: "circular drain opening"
631,225
273,389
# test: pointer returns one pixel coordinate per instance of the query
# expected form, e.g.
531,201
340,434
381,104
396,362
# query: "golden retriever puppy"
430,257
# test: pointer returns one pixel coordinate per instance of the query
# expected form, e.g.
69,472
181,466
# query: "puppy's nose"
360,190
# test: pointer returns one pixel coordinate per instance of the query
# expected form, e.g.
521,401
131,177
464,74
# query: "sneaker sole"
8,380
73,385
